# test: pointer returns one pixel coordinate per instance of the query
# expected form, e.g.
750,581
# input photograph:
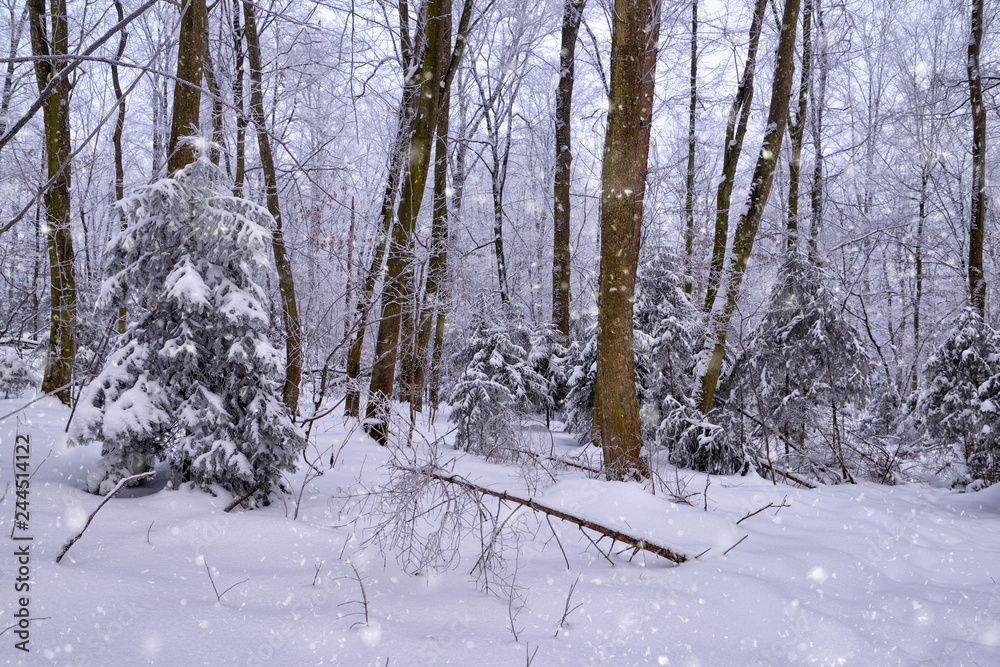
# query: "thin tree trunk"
736,128
352,403
634,31
760,189
977,281
572,14
351,242
796,131
918,268
458,186
218,137
241,119
116,138
398,291
397,153
286,283
8,80
437,269
187,88
399,282
692,145
62,330
819,102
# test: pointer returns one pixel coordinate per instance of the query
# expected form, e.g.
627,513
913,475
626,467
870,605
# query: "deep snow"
854,574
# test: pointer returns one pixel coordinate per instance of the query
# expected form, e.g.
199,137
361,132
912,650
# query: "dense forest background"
857,346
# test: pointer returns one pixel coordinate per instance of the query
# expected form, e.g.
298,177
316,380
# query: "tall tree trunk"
286,283
918,268
17,26
116,138
796,131
241,119
437,269
62,282
349,287
977,281
399,286
736,128
635,26
572,14
187,88
819,102
458,186
760,189
692,145
398,291
397,153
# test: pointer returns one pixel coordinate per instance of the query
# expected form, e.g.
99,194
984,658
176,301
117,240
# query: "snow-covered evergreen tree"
801,376
16,373
580,397
498,384
667,328
959,408
195,380
551,360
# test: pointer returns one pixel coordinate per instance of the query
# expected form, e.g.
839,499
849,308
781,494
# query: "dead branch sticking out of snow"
121,485
636,542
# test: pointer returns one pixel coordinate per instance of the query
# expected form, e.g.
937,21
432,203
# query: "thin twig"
726,552
218,595
121,485
566,609
767,506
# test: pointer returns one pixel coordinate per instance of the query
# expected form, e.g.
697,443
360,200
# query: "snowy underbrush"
18,371
378,559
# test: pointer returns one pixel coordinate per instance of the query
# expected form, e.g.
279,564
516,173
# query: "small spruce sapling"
959,408
803,375
498,383
195,381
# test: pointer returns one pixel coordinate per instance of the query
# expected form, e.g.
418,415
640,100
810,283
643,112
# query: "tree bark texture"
286,283
796,131
116,138
572,14
692,145
736,128
634,31
760,190
398,291
407,111
417,323
977,281
191,53
241,119
819,102
433,305
62,282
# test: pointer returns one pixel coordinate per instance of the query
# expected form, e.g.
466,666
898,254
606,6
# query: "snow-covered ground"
853,575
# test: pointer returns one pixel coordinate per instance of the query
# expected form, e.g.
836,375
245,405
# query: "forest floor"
855,574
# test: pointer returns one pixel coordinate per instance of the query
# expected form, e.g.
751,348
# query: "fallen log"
632,541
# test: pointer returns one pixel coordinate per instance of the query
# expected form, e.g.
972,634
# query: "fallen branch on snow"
787,475
121,485
635,542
